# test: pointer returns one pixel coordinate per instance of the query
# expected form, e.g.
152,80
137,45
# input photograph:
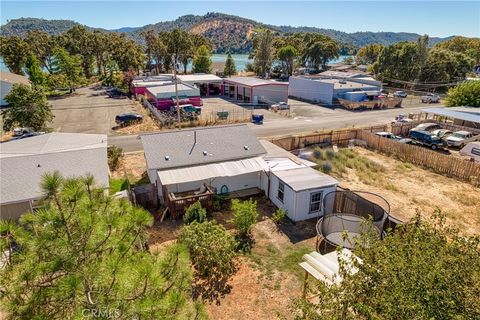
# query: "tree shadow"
213,288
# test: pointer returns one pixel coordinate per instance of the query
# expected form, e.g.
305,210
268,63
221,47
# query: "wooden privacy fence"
440,163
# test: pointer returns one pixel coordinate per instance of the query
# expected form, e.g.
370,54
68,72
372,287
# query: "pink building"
163,97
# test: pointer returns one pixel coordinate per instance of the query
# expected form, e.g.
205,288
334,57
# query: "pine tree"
201,61
229,69
85,256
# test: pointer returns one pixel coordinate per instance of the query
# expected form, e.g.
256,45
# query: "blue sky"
438,18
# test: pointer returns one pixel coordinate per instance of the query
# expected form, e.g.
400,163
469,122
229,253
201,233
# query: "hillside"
227,32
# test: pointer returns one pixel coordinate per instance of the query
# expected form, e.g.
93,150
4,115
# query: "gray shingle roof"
220,144
21,175
24,161
52,142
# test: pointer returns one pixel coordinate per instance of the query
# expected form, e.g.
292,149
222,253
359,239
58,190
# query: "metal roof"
252,82
212,170
191,147
13,78
305,178
52,142
466,114
199,77
170,88
21,174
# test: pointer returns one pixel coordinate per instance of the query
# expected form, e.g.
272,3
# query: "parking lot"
87,111
212,105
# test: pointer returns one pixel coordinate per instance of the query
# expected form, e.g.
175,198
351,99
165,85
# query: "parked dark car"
126,119
116,93
427,139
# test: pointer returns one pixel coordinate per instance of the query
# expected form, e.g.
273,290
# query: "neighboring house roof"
224,143
21,174
13,78
471,115
345,84
52,142
305,178
150,83
252,82
199,77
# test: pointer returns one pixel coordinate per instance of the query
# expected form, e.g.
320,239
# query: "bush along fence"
450,166
169,119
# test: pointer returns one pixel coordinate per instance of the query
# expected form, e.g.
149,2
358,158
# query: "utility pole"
176,90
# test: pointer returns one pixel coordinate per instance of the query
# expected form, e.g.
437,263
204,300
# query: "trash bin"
257,118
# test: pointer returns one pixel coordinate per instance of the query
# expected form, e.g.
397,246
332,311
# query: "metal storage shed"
300,191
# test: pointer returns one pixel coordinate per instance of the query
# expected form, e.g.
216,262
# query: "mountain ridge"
227,32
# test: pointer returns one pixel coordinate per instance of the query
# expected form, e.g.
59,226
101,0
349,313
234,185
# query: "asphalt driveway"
87,111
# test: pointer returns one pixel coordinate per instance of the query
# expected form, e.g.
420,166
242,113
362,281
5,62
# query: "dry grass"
6,136
133,166
414,188
147,124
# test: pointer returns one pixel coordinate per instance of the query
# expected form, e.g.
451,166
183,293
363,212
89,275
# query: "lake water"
241,61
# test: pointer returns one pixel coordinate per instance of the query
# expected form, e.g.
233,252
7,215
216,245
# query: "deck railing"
178,204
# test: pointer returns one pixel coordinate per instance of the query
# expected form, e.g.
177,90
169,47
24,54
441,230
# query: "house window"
316,201
281,191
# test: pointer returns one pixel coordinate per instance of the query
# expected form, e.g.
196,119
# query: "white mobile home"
300,192
193,165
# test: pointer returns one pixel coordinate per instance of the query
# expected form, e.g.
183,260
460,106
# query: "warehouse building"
208,84
255,90
327,90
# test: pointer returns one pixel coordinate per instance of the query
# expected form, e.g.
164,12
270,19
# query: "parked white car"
280,106
442,133
459,139
430,98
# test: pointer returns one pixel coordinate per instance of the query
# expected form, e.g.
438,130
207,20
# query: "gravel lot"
87,112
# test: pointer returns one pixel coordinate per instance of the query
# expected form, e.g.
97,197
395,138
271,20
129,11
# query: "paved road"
280,126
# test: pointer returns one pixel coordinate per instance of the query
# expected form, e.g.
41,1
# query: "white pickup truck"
430,98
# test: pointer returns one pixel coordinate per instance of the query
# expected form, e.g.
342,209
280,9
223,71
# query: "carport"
462,116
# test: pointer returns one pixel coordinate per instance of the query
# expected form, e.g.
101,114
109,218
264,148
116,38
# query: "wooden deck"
177,203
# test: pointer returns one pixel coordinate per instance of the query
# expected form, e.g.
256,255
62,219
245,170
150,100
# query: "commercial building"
164,97
255,90
327,90
208,84
7,80
23,163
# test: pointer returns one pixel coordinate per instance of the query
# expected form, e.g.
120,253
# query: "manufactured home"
230,160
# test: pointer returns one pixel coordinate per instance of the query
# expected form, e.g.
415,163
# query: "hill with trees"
227,33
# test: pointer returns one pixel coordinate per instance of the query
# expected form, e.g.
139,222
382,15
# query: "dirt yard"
409,188
147,124
133,165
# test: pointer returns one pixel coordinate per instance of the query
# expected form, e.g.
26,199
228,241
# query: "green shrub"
219,201
330,154
465,94
317,153
279,215
211,248
195,212
245,215
326,167
114,153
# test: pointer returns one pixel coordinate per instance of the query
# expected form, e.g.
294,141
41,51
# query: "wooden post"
305,285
